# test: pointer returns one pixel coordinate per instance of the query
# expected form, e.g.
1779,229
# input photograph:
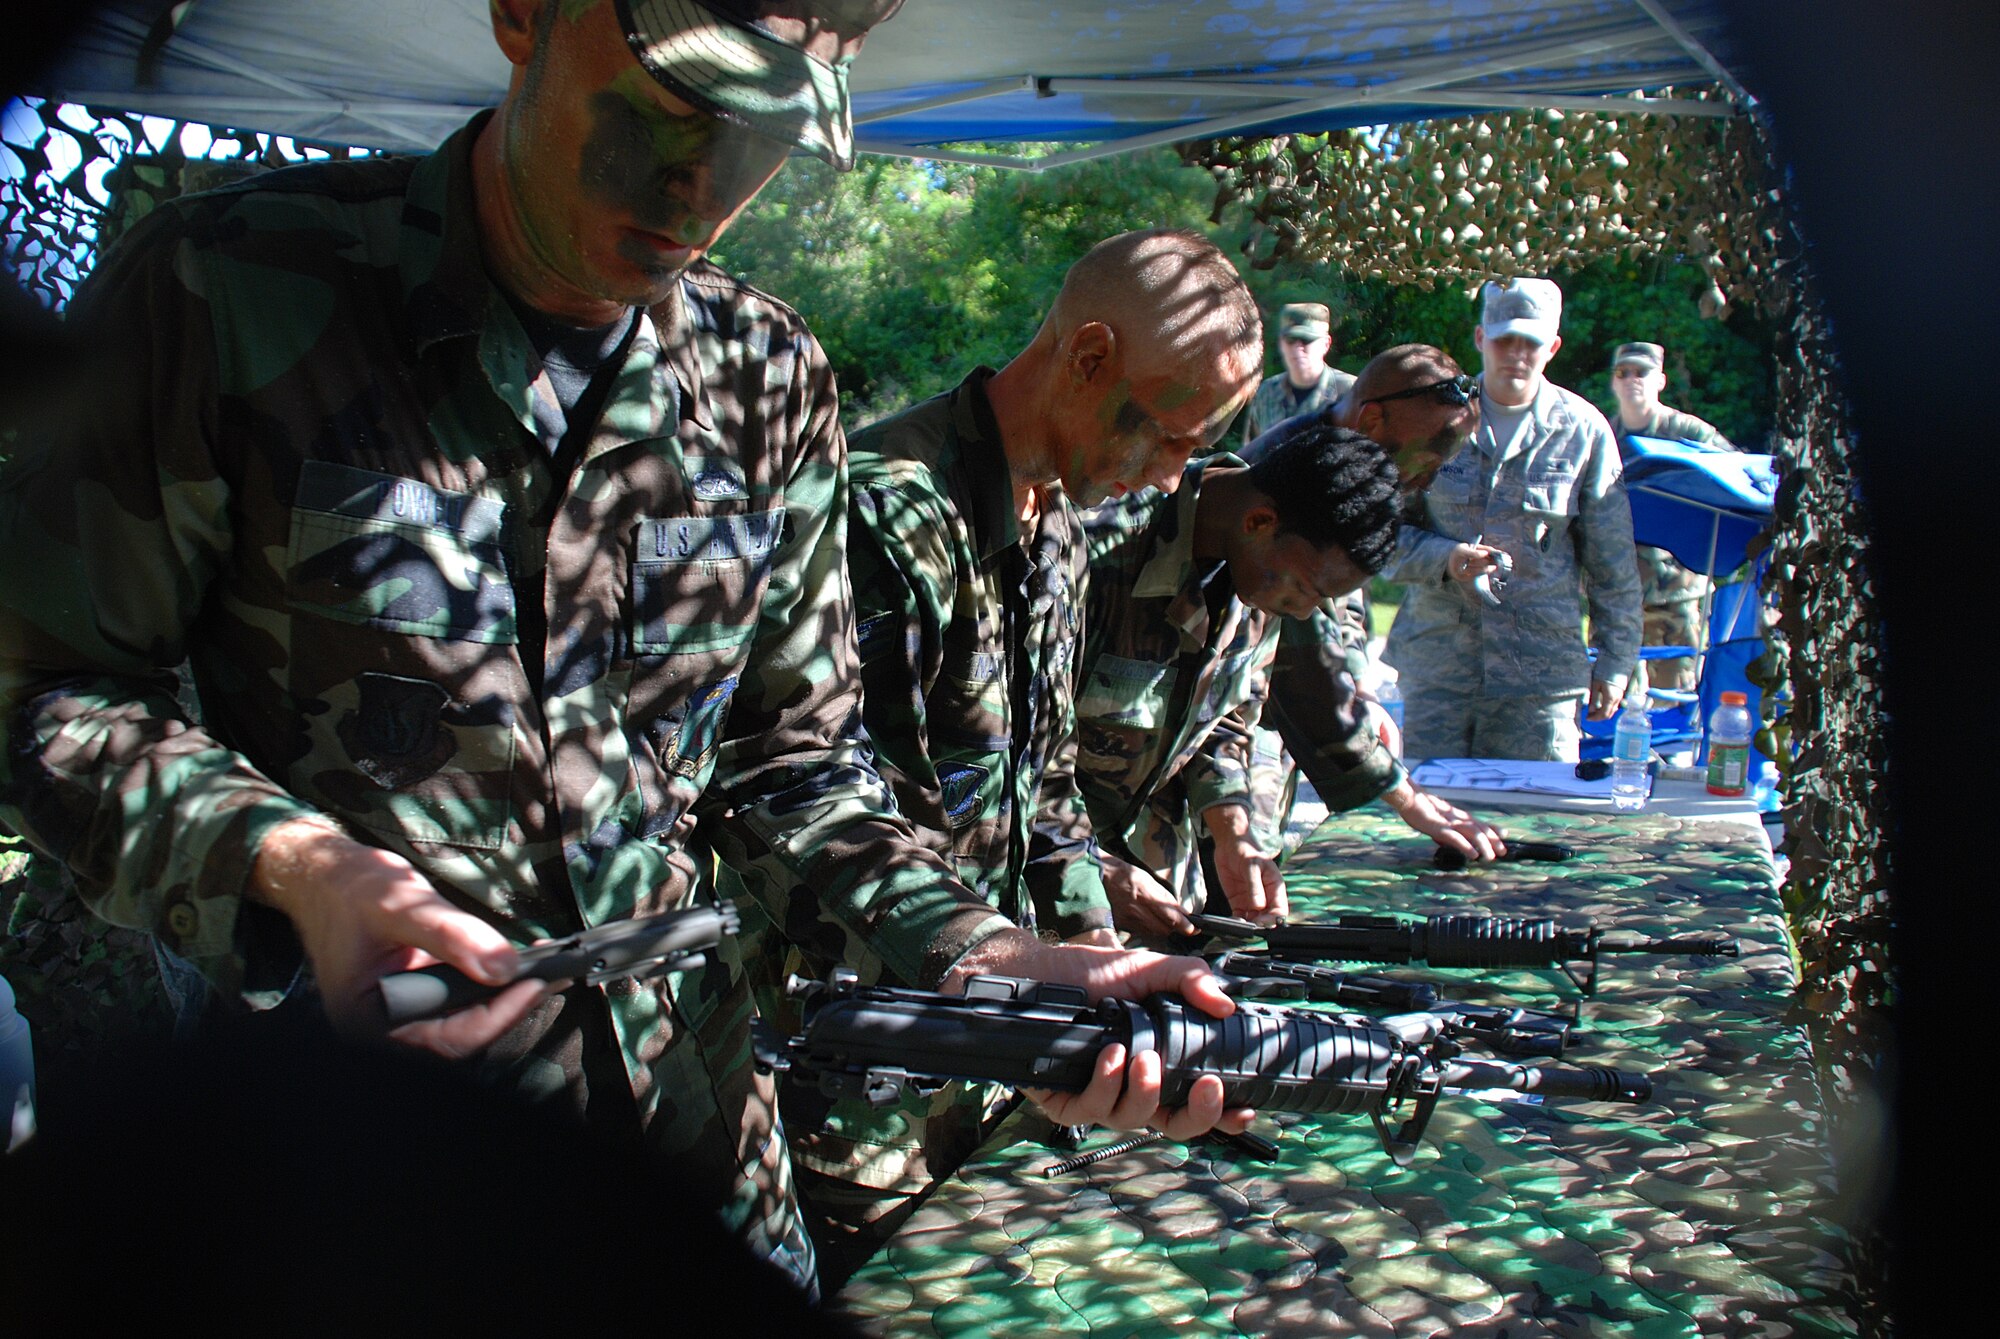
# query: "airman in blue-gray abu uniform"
1497,668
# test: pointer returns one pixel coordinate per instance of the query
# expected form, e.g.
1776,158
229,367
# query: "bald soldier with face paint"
968,563
505,536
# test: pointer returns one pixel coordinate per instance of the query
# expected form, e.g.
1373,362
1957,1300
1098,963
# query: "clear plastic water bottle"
1391,698
1729,731
1631,750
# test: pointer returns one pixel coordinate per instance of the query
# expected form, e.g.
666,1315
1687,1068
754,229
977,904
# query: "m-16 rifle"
641,947
1503,1031
873,1042
1461,941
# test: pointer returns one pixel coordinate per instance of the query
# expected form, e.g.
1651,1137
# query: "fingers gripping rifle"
642,947
873,1042
1461,941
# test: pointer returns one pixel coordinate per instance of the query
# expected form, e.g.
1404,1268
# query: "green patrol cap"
739,70
1649,356
1304,320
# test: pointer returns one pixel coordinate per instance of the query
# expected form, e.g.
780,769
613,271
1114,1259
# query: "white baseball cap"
1531,308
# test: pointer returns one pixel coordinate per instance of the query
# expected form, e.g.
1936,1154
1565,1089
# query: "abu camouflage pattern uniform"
1174,675
1670,594
1277,400
321,470
1505,681
969,632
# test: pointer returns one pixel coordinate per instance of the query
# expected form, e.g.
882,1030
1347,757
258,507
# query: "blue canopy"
1700,503
401,74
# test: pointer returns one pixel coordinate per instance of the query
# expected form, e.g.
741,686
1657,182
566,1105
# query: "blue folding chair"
1704,506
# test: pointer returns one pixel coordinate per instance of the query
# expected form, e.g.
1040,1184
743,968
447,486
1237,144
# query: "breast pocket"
1546,504
377,551
1133,694
698,581
1449,502
405,746
696,594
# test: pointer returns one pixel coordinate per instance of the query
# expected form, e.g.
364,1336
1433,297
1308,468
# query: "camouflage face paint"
678,177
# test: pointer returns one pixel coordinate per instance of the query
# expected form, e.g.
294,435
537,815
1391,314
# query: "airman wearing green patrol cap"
1304,321
1308,384
1670,594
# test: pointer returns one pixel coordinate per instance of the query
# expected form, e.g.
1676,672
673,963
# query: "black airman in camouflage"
1185,600
1415,401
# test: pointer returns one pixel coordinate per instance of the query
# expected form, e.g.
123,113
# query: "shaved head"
1400,368
1171,295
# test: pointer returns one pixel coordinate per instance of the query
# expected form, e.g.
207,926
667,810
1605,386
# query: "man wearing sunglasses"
1493,671
1415,401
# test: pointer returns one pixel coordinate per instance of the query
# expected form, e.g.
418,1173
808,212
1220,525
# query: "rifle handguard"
873,1042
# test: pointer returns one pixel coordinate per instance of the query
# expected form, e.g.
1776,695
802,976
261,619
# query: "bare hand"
362,913
1469,562
1142,904
1250,879
1445,823
1124,1092
1605,699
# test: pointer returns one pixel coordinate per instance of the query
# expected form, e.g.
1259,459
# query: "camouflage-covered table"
1697,1215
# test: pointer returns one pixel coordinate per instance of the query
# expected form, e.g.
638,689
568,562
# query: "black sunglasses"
1454,391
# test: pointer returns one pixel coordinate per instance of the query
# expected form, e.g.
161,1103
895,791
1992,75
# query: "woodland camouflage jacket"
315,471
969,638
1175,670
969,642
1277,400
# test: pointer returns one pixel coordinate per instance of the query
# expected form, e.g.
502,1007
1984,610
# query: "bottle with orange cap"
1729,729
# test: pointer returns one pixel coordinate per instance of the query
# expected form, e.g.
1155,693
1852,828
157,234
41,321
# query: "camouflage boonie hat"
1649,356
742,72
1304,320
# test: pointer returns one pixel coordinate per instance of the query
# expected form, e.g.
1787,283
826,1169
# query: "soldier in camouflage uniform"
1185,596
1308,383
1670,594
1542,485
968,564
1414,400
506,539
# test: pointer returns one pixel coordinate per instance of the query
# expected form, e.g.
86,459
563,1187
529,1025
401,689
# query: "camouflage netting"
85,175
1478,197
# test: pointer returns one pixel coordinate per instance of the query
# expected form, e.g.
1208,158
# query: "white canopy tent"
402,74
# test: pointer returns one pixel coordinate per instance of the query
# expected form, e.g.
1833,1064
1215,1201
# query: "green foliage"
913,273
